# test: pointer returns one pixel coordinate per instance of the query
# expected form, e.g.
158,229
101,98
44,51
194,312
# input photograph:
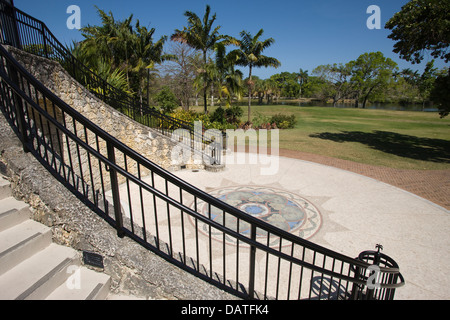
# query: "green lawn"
396,139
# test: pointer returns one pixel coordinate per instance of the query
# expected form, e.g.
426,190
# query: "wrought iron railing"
32,35
236,252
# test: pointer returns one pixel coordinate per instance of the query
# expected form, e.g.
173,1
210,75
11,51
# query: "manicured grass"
396,139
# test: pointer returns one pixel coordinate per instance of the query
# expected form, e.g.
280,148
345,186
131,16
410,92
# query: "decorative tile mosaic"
285,210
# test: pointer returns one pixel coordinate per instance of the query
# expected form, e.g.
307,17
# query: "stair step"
20,242
5,188
12,212
32,267
83,284
37,276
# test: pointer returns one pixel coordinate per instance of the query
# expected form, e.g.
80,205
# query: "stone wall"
151,144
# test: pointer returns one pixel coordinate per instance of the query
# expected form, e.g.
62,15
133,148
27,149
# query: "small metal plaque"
93,259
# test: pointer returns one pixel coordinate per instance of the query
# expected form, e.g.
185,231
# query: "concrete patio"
357,213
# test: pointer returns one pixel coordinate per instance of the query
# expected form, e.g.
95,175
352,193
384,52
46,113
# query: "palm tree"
250,55
125,47
145,54
109,42
229,79
105,40
121,39
200,35
271,88
302,77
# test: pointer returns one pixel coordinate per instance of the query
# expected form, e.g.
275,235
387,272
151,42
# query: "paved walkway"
360,206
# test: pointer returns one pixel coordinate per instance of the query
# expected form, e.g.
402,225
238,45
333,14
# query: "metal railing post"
44,42
10,34
115,191
19,109
251,281
356,289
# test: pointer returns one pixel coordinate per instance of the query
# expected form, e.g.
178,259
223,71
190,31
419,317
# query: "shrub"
283,121
229,115
260,120
234,114
187,116
218,115
213,121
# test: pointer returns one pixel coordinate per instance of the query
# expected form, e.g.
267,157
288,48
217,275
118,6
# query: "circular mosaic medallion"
280,208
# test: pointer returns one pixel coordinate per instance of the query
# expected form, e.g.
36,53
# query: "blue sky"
307,33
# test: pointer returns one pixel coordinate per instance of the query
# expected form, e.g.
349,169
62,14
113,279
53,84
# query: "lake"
379,105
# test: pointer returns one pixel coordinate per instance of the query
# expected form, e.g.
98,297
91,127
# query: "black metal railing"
236,252
32,35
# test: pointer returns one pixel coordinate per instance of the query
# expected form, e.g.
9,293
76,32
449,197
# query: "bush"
187,116
218,115
213,121
260,121
283,121
230,115
234,114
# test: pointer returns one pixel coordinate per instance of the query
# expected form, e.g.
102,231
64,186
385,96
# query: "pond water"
381,106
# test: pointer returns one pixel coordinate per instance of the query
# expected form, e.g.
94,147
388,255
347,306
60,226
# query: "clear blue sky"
307,33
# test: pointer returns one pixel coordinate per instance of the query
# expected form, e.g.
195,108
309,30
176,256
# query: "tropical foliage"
119,50
200,63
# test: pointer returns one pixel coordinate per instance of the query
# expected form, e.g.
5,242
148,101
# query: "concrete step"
83,284
33,267
22,241
12,212
36,277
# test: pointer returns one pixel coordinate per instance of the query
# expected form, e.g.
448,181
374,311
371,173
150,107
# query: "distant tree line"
196,67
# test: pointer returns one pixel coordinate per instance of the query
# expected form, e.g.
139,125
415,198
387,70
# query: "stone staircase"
33,267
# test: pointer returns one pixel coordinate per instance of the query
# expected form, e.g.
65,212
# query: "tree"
271,89
97,40
228,78
200,35
123,47
371,72
167,100
182,72
250,55
421,25
440,94
259,88
145,54
426,82
120,37
287,83
337,77
302,77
